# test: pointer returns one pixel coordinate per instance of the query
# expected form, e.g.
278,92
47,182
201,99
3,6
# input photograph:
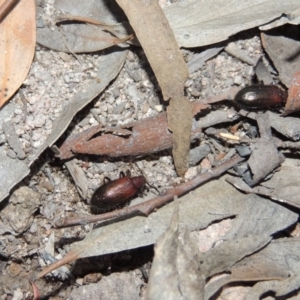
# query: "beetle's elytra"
260,96
116,193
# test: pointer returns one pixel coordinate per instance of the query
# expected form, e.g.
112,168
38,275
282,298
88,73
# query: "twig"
147,207
107,27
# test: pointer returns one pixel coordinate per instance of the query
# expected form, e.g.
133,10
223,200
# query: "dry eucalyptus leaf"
278,263
199,59
262,72
14,170
176,263
159,44
284,186
83,37
274,262
282,45
198,22
17,47
212,202
13,139
76,38
279,260
207,22
262,165
288,126
280,288
226,254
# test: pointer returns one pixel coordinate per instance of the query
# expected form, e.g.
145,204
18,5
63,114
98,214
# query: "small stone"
191,173
28,149
46,184
119,108
116,92
238,80
92,121
198,153
66,78
159,108
106,167
84,122
145,107
37,135
188,83
194,92
243,150
10,153
136,76
33,228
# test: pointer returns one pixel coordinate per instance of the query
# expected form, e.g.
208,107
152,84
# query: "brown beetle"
116,193
260,97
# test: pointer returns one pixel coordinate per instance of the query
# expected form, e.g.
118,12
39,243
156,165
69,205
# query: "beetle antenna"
150,185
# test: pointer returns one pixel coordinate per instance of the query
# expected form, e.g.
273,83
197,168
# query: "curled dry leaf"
177,264
138,138
17,47
281,187
293,100
276,266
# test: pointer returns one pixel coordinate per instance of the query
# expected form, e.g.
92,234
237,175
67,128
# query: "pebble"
198,153
28,149
37,135
136,76
66,78
194,92
10,153
119,108
188,83
92,121
84,122
159,108
116,92
191,173
145,107
106,167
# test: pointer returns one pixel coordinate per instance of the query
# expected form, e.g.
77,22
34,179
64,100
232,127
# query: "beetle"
116,193
260,97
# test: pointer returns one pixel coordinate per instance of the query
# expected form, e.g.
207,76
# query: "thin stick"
147,207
